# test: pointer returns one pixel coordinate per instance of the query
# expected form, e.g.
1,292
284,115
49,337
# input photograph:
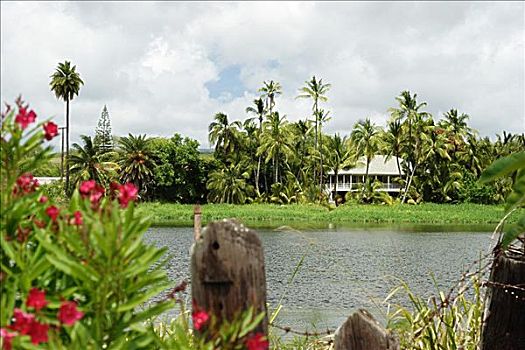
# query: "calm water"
344,268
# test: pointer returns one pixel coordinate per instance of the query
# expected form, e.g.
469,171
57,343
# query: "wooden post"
228,273
362,332
197,222
504,326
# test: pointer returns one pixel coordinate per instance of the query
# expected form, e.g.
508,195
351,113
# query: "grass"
316,216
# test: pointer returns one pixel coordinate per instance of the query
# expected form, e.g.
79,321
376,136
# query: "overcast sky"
169,67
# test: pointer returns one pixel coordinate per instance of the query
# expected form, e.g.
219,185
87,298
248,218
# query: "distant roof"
378,166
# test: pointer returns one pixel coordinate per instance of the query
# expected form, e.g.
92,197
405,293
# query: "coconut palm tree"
392,141
340,156
276,141
259,111
224,135
137,161
270,90
88,162
316,91
366,138
65,83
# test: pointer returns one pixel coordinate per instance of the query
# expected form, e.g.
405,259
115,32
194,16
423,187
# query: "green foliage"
91,252
439,322
513,164
180,172
88,161
103,138
137,161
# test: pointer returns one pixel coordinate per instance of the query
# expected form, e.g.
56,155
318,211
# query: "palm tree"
223,134
367,141
137,161
392,141
414,121
275,141
271,89
457,126
230,184
340,156
259,110
315,90
65,83
88,162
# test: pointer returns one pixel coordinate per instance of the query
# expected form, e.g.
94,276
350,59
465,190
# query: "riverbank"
304,215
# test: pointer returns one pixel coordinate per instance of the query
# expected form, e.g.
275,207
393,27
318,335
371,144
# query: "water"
344,268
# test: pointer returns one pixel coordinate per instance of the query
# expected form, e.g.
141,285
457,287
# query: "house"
380,169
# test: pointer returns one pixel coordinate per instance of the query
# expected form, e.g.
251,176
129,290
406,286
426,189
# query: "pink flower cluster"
25,184
125,193
26,117
27,324
90,189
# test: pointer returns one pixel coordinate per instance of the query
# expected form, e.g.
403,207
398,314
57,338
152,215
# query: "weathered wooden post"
197,222
504,325
362,332
228,273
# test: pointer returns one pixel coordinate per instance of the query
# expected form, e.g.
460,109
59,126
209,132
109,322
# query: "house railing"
354,186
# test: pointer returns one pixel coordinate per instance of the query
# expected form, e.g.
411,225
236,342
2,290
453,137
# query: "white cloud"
149,62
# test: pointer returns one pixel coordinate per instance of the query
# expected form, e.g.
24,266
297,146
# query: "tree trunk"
66,190
321,154
504,325
407,186
398,167
336,172
228,272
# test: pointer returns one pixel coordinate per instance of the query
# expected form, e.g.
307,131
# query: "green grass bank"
316,216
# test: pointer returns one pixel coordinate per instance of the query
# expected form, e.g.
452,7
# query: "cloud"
169,67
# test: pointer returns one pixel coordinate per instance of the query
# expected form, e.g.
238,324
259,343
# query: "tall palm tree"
458,127
276,141
88,162
415,141
223,134
137,161
340,156
392,141
316,91
65,83
270,90
259,111
366,137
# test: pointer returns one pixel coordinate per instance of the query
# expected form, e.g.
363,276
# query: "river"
344,268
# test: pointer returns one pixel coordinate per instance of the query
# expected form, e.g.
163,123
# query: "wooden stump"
362,332
228,273
504,326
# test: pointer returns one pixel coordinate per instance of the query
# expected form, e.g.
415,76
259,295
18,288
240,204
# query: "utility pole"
62,128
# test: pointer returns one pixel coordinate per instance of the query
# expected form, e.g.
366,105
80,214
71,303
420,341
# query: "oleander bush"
78,275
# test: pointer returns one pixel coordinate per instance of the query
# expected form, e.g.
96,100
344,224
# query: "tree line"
264,157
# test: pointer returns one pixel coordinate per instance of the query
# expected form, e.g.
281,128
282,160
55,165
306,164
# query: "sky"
168,67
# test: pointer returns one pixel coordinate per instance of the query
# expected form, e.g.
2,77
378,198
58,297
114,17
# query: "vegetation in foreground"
303,215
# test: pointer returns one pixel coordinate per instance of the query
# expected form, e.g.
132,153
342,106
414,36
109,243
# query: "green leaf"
503,166
513,232
517,196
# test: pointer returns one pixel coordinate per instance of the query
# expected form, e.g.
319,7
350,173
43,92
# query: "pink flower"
86,187
199,319
7,338
68,313
257,342
53,212
50,130
26,183
92,190
127,193
25,117
36,299
43,199
78,218
38,332
23,321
